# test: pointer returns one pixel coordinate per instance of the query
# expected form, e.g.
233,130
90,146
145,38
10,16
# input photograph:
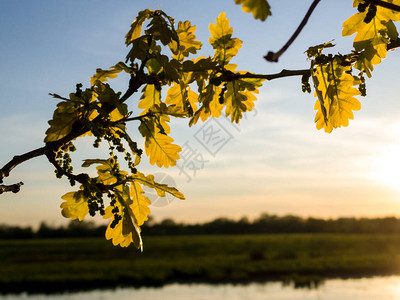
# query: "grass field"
55,265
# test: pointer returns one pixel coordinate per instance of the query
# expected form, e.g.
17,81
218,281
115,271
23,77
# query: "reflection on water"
375,288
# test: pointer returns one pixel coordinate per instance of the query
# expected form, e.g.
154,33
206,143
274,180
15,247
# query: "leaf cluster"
158,57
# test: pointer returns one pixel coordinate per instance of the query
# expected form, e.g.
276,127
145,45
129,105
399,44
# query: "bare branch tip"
271,57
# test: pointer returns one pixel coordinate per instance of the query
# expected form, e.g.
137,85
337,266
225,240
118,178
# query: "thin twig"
82,178
230,76
274,57
19,159
50,147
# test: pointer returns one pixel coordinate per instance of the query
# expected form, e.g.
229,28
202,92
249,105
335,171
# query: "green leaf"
260,8
201,64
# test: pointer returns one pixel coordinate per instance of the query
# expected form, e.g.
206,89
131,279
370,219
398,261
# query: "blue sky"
275,161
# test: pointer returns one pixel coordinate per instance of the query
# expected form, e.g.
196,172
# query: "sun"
387,168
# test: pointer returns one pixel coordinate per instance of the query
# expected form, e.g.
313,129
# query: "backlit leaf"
158,146
140,203
210,106
64,117
136,26
182,97
161,30
238,101
103,75
106,170
221,39
151,96
372,38
127,230
187,41
160,188
335,86
259,8
75,205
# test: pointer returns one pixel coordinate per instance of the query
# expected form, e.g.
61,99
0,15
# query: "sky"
274,162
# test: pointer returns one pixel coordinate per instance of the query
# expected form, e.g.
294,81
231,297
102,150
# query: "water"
375,288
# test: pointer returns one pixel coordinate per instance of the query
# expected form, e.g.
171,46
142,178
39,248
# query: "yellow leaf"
221,39
335,87
259,8
371,38
237,102
127,230
136,26
239,97
151,96
140,205
210,106
187,41
160,188
64,117
103,75
75,205
105,170
161,151
182,97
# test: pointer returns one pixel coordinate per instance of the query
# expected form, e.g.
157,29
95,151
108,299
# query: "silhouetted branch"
230,76
385,4
274,57
393,44
10,188
78,129
19,159
82,178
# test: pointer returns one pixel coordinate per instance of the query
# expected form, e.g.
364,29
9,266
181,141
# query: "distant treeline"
266,223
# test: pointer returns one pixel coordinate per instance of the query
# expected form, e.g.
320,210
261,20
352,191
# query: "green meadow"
56,265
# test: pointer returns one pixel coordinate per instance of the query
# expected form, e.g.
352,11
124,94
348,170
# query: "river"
374,288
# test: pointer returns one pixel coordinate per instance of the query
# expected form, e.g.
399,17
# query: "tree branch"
19,159
51,147
82,178
274,57
385,4
10,188
393,44
230,76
